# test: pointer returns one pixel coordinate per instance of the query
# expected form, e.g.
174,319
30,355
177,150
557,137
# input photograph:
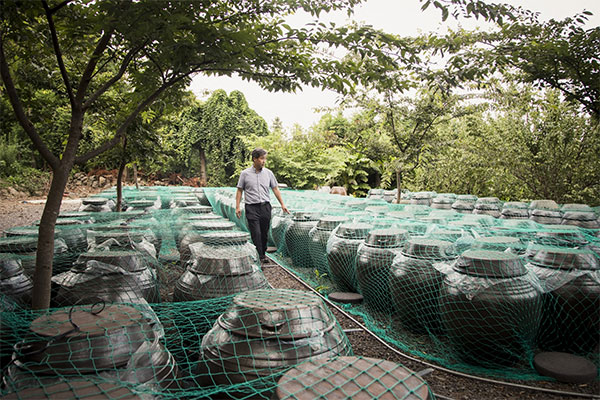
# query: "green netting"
168,299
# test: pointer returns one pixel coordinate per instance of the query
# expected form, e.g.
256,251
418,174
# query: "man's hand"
285,210
238,212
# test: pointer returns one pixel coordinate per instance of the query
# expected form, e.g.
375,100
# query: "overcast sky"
402,17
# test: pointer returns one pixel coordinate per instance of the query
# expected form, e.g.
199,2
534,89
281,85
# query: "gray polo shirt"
256,185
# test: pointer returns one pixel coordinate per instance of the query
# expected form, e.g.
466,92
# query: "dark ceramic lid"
10,265
22,231
74,214
466,197
330,222
546,213
111,319
562,257
129,260
305,215
202,217
377,209
488,200
576,207
565,367
76,389
357,378
446,234
490,264
443,200
386,238
97,201
225,238
490,242
199,209
18,244
517,212
400,214
430,249
520,224
562,233
579,216
284,313
463,205
422,195
543,204
487,206
353,230
211,225
141,203
515,204
67,221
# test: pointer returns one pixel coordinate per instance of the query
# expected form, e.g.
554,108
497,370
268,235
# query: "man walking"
255,182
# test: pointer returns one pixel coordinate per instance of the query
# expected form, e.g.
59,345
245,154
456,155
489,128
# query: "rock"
102,181
94,183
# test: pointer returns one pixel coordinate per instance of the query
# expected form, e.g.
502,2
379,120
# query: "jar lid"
576,207
330,222
546,213
431,249
357,378
443,200
488,200
562,257
141,203
386,238
284,313
561,233
516,204
377,209
497,242
487,206
18,244
211,225
76,389
356,230
466,197
543,204
129,260
96,201
579,216
306,215
463,205
400,214
225,238
490,264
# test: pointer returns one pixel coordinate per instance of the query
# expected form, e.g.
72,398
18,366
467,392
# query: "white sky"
403,17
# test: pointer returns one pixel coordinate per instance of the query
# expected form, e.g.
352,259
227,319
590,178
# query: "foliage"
9,154
303,161
28,179
530,144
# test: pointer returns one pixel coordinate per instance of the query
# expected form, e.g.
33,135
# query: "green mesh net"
168,299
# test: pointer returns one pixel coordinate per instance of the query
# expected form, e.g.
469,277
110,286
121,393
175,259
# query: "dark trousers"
259,220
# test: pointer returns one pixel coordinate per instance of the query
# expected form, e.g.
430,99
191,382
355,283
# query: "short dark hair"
258,153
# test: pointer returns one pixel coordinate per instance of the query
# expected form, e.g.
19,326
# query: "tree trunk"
45,249
120,177
135,176
203,177
399,185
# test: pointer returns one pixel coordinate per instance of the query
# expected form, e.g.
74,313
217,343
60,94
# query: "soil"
18,212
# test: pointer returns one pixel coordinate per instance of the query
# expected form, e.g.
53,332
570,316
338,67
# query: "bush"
27,179
9,163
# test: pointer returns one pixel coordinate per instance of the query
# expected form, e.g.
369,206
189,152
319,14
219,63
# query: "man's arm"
238,199
277,194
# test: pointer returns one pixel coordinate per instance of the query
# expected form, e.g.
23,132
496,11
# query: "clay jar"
319,236
415,284
341,255
374,259
571,284
490,307
297,237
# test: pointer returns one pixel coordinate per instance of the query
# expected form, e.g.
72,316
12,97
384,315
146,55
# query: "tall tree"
97,45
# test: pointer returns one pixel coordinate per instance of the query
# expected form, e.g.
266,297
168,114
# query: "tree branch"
121,130
57,52
86,77
126,60
59,6
17,106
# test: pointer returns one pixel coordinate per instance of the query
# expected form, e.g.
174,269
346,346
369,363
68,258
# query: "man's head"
259,157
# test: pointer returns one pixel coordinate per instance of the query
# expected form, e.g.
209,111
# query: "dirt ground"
21,212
